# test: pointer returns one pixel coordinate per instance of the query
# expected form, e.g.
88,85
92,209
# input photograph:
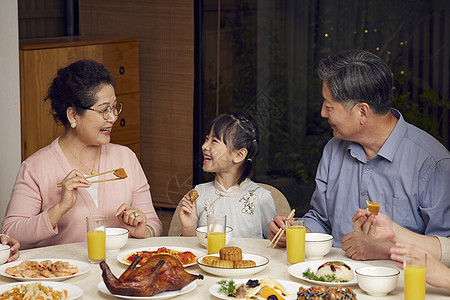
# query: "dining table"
277,268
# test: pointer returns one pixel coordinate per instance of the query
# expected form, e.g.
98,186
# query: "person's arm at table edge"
438,274
429,243
434,202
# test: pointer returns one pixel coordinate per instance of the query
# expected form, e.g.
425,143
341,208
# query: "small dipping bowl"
201,235
116,238
317,245
4,253
377,281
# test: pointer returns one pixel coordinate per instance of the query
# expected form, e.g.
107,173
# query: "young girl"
228,151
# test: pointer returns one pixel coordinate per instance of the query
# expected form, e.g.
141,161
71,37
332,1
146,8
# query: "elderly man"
374,155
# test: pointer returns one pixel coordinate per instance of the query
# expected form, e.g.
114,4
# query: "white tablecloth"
277,267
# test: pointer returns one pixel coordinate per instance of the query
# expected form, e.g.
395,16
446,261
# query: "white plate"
121,257
298,269
261,263
164,295
73,292
291,288
82,268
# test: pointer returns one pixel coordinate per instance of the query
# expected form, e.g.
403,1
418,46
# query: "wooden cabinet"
40,60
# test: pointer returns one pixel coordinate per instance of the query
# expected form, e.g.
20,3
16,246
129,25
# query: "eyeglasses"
106,113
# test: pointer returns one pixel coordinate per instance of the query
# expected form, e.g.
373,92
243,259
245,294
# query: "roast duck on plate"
160,273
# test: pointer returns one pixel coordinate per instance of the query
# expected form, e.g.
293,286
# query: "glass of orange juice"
415,275
216,230
295,240
96,238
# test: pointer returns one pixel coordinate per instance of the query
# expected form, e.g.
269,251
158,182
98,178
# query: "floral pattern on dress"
249,202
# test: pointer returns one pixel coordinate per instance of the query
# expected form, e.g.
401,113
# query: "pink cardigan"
35,191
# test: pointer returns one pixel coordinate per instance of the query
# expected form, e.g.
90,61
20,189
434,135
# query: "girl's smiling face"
217,156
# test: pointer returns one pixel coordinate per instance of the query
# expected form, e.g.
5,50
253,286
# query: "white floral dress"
249,207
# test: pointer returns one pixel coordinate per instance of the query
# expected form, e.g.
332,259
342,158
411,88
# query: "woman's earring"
73,125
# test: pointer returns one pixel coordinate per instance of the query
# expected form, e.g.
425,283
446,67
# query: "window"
268,55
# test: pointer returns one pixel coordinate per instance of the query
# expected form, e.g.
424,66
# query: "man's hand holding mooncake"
379,228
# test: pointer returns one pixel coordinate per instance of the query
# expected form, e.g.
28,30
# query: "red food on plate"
186,257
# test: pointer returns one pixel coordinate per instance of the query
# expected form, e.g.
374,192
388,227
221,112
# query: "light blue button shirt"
409,178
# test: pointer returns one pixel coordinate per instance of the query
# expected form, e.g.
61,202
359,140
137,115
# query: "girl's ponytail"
246,136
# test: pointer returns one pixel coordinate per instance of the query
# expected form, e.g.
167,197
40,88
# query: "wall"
10,100
166,33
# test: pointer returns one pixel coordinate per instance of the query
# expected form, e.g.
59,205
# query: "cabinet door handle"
122,122
122,70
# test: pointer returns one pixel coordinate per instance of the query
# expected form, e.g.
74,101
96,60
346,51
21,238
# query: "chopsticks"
280,232
117,172
104,180
120,173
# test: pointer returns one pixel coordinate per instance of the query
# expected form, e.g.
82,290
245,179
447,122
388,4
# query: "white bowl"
116,238
317,245
4,253
201,235
377,281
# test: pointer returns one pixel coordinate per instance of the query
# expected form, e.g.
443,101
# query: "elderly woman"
42,212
